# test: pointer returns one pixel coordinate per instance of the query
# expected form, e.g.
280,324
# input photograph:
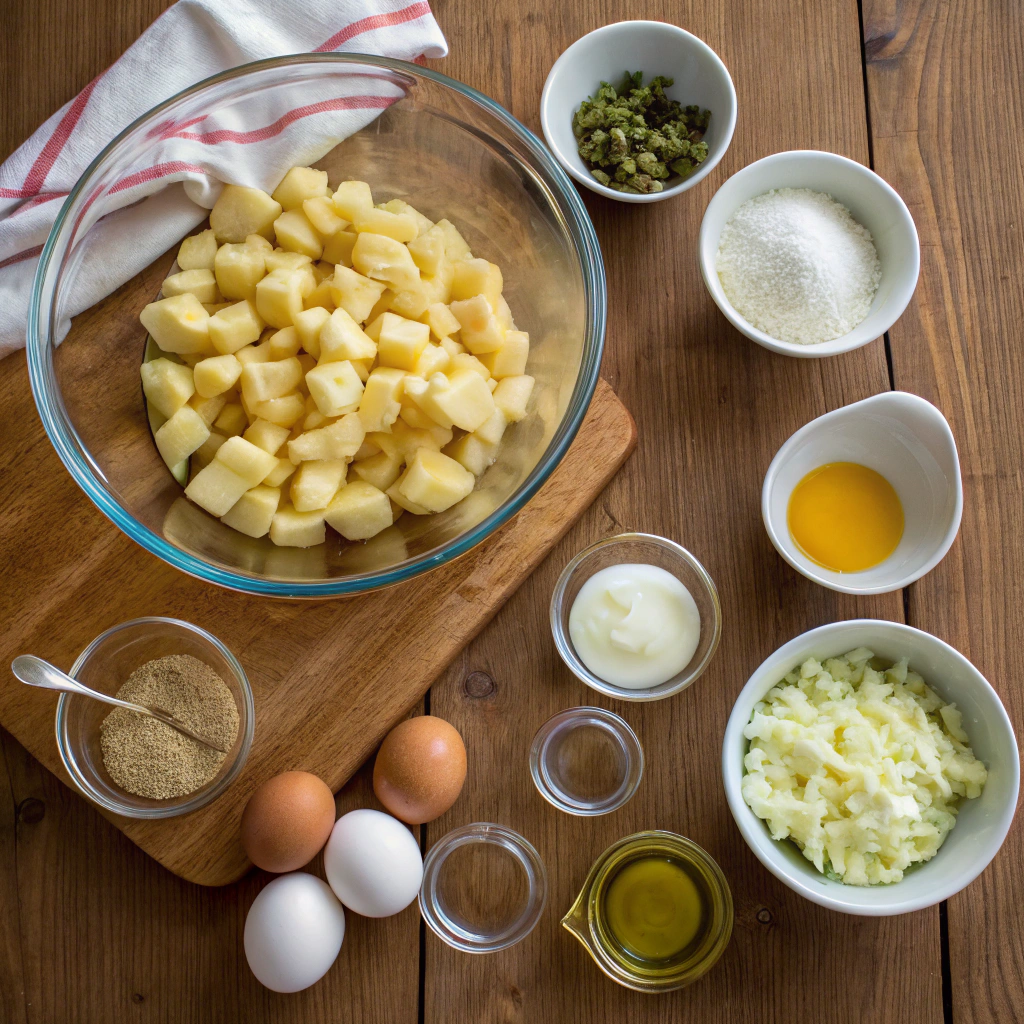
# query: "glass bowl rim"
629,744
521,849
75,455
564,645
187,804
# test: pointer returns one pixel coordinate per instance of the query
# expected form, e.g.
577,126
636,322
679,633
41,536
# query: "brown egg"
287,821
420,769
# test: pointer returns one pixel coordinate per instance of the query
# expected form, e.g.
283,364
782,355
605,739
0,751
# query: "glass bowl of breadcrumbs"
134,765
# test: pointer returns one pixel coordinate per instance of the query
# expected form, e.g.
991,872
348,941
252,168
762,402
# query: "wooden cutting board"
329,678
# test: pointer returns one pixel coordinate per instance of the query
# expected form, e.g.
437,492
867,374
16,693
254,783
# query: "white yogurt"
634,625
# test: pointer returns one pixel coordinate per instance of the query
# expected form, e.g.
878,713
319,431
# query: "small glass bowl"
484,888
105,665
652,550
586,761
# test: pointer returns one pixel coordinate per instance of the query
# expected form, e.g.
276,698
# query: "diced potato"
338,248
308,324
285,259
281,472
477,277
254,353
215,307
316,483
181,435
178,324
284,343
398,226
433,359
323,216
452,347
510,359
427,250
215,375
512,395
400,206
455,246
441,320
380,403
200,283
243,211
464,361
340,440
472,453
198,251
504,314
293,529
403,502
321,295
381,470
401,341
204,454
279,297
300,184
354,293
242,457
359,511
295,233
208,408
238,269
260,244
285,411
216,487
314,419
408,439
232,420
461,399
435,481
411,303
322,270
342,338
492,429
254,511
382,258
266,435
352,198
234,327
480,330
273,379
335,387
415,416
167,385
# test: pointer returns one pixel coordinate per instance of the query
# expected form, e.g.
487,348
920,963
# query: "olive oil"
653,908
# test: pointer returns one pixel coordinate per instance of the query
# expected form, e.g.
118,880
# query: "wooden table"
928,93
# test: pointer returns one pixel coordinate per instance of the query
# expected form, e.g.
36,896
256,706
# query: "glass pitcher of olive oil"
655,912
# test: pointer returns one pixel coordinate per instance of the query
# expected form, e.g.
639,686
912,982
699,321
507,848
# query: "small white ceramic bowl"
655,48
909,442
982,823
873,203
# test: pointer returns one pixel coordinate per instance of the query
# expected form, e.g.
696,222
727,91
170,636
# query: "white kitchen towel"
179,177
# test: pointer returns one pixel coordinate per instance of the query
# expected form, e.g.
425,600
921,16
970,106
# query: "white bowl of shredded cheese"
943,718
793,239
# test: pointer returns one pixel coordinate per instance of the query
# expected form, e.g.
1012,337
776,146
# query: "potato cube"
284,343
411,303
407,439
200,283
401,341
355,294
254,511
455,246
215,375
314,420
480,330
352,198
281,472
254,353
178,324
198,251
512,395
403,502
412,414
435,481
338,248
452,347
295,233
279,297
208,408
242,457
215,307
380,403
335,387
321,296
266,435
204,454
464,361
216,487
234,327
400,206
316,482
477,277
381,470
181,435
285,411
167,385
321,213
260,244
398,226
504,314
308,324
510,359
232,420
340,440
433,359
238,269
285,259
359,511
472,453
243,211
293,529
273,379
427,250
342,338
382,258
461,399
300,184
492,429
441,320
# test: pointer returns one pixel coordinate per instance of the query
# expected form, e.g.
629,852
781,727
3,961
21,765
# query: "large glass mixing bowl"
448,150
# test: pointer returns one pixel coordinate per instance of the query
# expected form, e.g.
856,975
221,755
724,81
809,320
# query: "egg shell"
373,863
420,769
293,932
287,821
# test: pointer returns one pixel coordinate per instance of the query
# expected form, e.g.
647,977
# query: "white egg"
293,932
373,863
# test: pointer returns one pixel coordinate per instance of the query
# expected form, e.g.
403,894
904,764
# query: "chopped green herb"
633,138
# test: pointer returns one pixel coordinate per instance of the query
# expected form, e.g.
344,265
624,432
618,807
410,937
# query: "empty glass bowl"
647,549
586,761
442,146
105,665
484,888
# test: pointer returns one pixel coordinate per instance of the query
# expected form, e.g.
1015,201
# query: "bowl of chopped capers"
638,110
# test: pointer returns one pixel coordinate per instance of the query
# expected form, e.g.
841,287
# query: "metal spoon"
36,672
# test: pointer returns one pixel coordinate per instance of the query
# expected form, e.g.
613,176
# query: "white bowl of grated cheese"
871,201
982,823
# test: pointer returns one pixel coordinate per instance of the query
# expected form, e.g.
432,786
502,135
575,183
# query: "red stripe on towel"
374,21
